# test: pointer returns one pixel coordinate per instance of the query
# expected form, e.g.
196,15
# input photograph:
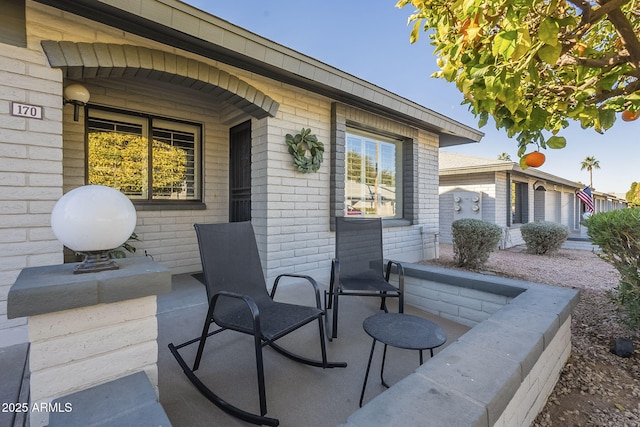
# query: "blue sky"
370,39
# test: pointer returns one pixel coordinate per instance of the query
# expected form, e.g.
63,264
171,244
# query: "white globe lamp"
93,220
77,95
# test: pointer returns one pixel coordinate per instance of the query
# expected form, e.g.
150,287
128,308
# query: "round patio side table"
401,331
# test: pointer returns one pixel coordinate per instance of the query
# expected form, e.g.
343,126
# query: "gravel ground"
596,387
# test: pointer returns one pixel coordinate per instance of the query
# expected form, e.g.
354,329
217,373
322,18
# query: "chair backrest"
230,259
359,246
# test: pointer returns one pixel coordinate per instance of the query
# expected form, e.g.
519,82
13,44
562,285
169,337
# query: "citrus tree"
533,65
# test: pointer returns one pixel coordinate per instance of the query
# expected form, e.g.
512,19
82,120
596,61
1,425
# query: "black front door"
240,173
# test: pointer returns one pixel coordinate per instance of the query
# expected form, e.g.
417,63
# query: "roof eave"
514,167
222,41
463,170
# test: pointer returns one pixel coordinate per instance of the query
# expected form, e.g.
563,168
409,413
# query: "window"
373,186
519,203
119,155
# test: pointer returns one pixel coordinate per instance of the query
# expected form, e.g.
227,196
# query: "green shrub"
544,237
473,241
617,233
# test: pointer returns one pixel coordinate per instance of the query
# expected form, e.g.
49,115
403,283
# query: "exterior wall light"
78,95
93,220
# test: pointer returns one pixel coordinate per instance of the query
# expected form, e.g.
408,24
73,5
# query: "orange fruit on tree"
629,116
534,159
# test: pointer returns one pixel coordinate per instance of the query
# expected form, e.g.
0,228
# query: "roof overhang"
172,23
513,167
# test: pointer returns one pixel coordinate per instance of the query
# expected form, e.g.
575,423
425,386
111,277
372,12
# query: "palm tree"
590,163
504,156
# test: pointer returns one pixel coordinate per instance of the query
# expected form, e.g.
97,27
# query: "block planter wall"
500,373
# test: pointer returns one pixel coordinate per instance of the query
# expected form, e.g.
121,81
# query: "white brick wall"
477,183
76,349
501,201
296,206
294,212
31,177
461,305
532,395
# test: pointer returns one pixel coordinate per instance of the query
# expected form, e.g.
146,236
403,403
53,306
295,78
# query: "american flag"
587,199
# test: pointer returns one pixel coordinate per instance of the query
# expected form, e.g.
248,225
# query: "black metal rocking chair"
239,301
357,269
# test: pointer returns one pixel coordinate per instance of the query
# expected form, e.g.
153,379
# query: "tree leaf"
505,43
484,116
607,82
512,100
556,142
523,163
550,54
523,43
538,118
415,31
548,31
607,118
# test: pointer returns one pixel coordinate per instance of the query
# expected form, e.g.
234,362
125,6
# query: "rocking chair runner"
239,301
358,266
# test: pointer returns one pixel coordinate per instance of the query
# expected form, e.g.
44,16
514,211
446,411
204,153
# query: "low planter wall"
500,373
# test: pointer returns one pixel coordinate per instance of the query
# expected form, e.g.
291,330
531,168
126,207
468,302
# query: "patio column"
87,329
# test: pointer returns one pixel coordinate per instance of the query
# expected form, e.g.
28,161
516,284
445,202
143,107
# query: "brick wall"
501,202
461,305
75,349
501,372
294,208
485,184
535,389
31,171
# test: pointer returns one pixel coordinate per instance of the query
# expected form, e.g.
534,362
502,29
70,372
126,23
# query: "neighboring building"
501,192
216,101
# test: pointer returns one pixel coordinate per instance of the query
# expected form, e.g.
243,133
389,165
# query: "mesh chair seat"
276,318
364,284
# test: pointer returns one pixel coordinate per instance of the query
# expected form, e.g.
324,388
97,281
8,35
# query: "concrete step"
126,401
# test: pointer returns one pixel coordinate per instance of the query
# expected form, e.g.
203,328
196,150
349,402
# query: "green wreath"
302,143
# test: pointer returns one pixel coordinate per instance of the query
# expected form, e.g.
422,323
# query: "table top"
404,331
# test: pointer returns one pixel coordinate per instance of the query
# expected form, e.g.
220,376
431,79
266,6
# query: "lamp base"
94,262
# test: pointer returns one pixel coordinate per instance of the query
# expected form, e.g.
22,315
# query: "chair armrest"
400,274
251,304
309,279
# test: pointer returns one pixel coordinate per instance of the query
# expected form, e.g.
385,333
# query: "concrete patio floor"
298,395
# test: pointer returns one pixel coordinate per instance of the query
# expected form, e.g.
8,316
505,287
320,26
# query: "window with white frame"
373,176
147,158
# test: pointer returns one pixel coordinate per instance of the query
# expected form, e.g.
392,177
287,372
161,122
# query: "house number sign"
26,110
